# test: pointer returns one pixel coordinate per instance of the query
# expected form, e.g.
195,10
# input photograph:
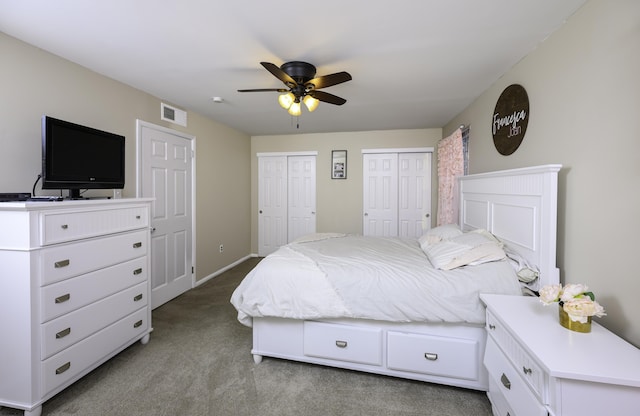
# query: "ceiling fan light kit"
301,85
311,103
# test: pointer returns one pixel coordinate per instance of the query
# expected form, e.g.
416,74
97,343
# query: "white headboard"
519,206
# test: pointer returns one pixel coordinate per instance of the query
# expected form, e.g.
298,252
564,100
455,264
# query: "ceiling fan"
303,85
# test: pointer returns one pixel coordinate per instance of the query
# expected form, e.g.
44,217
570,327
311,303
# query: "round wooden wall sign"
510,119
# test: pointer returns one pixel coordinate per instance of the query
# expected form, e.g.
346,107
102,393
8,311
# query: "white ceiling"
414,63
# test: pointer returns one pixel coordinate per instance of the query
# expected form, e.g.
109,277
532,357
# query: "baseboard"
224,269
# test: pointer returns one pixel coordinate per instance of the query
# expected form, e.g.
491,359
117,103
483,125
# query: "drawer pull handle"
63,298
63,368
64,226
137,271
430,356
137,217
492,326
137,245
63,333
505,381
137,297
341,344
137,324
61,263
526,370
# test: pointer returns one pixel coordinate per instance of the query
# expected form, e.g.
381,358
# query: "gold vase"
566,322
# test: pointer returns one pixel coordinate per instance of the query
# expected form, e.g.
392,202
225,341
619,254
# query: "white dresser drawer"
63,366
499,404
511,386
433,355
68,295
62,226
342,342
69,260
531,372
62,332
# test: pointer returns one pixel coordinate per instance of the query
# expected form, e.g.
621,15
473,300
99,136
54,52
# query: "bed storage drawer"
511,386
343,342
441,356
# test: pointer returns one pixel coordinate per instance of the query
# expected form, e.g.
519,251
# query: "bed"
314,301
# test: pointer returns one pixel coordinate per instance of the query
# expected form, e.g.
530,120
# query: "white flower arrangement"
576,300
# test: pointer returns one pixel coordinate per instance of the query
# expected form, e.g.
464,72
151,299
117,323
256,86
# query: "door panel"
301,193
380,201
397,194
272,203
166,176
414,200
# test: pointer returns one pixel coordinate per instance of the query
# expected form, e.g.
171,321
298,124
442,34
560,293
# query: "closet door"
272,203
396,194
380,188
414,194
286,200
301,193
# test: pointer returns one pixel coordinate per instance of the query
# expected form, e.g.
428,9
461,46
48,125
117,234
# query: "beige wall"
584,92
339,202
35,83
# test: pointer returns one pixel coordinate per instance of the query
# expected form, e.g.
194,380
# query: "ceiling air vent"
172,114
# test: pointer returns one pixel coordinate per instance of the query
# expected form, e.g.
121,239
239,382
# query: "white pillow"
472,248
437,234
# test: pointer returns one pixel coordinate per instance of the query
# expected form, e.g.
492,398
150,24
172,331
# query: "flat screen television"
76,157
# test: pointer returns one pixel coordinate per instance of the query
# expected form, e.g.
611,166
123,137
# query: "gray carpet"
198,363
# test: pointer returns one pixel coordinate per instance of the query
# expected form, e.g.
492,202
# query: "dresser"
537,367
74,278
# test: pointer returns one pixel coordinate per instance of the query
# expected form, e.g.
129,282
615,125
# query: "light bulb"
310,102
295,109
285,100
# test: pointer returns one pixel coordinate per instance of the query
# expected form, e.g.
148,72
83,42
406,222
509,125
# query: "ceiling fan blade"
329,80
280,74
265,89
327,98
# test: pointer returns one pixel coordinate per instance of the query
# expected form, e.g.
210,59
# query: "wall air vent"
172,114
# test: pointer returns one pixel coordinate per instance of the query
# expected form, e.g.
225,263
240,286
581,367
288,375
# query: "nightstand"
537,367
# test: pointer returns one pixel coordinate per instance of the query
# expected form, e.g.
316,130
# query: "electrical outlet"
221,248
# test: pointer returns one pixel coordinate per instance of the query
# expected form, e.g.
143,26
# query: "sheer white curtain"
451,163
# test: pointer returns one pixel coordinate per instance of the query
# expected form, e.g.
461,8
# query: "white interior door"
272,203
166,174
380,199
414,194
301,193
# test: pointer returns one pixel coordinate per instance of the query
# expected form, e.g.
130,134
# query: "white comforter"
349,276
